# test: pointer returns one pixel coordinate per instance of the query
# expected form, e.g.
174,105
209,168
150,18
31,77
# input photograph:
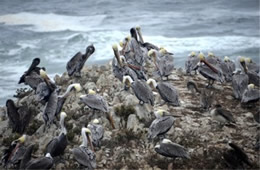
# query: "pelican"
19,117
252,66
51,106
141,89
96,102
42,92
253,77
84,156
221,115
212,59
208,71
161,125
250,94
138,30
31,76
236,158
225,68
97,132
169,149
167,91
26,156
77,62
191,63
192,86
45,162
57,145
62,98
163,64
13,155
231,64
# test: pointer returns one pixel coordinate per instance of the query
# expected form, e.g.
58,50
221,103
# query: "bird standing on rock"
97,132
77,62
221,115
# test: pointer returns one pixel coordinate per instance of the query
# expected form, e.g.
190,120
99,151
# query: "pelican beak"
89,139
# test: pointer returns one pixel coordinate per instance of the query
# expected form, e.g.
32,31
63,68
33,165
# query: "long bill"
90,143
244,66
116,53
210,66
140,36
63,129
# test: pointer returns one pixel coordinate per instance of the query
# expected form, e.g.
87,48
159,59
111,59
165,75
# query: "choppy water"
55,31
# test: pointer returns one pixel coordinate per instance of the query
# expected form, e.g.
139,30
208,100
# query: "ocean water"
55,30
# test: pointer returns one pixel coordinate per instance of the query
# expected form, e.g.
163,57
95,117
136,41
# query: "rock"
89,85
143,112
130,100
132,123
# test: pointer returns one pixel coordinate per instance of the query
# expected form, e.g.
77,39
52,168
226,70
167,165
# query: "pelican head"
63,114
152,83
121,44
192,54
210,54
114,47
163,51
138,28
128,38
22,139
242,59
90,91
159,113
127,80
166,141
77,87
201,56
251,86
249,60
96,121
151,53
226,58
43,74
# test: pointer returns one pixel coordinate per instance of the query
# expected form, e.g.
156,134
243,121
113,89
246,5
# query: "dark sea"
54,30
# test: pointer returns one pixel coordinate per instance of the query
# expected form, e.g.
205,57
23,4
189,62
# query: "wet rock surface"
127,146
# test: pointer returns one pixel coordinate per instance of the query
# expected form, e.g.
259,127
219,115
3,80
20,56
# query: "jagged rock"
132,123
143,112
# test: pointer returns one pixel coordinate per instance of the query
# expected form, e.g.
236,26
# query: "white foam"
52,22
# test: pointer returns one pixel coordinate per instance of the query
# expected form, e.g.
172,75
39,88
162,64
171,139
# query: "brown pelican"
42,92
250,94
77,62
169,149
45,162
62,98
225,69
26,156
192,86
161,125
163,64
212,59
97,132
208,71
236,158
167,91
31,76
221,115
57,145
19,117
96,102
253,77
191,63
51,106
84,156
142,91
13,155
231,64
138,29
252,66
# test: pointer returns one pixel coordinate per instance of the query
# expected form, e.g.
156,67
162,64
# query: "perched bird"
167,91
13,155
82,154
231,65
163,64
26,156
97,132
236,158
58,144
62,98
142,91
32,76
253,77
208,71
96,102
212,59
19,117
239,84
221,115
191,63
252,66
250,94
207,98
169,149
192,86
43,92
161,125
45,162
77,62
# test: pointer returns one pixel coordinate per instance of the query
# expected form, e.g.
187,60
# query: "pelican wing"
209,74
254,78
33,80
17,155
174,150
160,126
226,114
42,92
26,157
41,163
97,132
60,103
50,107
168,93
143,92
96,102
250,95
25,117
14,117
73,63
51,146
85,157
239,84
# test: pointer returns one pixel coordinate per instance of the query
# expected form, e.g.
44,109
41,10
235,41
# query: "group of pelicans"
129,66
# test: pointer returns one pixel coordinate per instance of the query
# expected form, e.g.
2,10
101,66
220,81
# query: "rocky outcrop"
127,145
